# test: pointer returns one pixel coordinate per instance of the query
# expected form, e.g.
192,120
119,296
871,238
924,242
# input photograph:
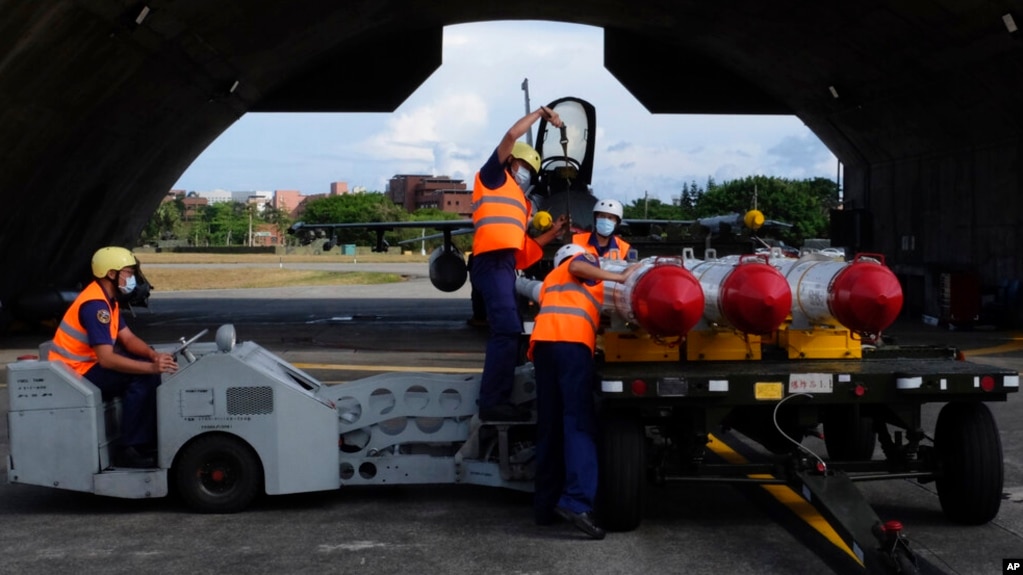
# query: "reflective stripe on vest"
71,342
500,216
569,309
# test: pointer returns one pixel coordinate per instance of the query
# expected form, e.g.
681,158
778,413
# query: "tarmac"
343,333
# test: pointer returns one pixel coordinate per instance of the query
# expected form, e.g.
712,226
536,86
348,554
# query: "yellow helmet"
111,258
527,154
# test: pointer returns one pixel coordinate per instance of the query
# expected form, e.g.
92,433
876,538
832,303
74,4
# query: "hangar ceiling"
104,103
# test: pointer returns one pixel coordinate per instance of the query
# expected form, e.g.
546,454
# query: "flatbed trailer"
236,421
658,421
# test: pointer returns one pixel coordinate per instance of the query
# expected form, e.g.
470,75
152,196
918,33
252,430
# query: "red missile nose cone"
755,298
667,301
866,297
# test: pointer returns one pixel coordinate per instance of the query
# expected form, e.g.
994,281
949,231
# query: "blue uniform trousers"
493,274
138,401
566,428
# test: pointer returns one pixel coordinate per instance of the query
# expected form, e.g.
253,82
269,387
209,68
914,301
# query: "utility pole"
529,133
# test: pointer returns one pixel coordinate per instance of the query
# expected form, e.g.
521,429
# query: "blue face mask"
129,285
605,227
522,177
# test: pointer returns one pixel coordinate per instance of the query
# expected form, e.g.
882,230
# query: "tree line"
805,204
219,224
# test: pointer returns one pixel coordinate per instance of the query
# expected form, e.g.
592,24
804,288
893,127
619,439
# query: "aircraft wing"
642,222
642,228
454,232
436,224
448,271
753,220
310,231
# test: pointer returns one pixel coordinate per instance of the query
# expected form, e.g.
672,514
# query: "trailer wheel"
970,475
848,437
622,470
218,474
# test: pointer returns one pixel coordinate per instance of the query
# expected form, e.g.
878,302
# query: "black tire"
848,437
622,451
970,475
218,474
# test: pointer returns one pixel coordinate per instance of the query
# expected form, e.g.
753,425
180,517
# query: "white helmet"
566,251
613,207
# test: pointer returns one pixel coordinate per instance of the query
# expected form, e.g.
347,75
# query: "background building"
417,191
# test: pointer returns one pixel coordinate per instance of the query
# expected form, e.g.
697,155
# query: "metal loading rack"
662,421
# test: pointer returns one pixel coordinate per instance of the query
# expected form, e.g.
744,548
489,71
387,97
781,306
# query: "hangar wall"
953,213
104,103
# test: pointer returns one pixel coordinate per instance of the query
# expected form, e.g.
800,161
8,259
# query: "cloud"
802,156
452,123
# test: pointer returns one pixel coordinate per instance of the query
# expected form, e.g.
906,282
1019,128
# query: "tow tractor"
692,348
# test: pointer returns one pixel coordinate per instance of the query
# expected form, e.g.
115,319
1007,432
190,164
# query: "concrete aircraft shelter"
104,103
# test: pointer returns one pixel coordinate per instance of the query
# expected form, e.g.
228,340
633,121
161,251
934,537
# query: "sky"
454,120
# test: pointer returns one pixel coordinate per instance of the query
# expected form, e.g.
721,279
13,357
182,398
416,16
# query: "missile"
743,292
661,296
862,295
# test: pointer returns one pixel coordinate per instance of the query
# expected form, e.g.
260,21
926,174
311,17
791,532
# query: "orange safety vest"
619,253
569,309
500,217
71,342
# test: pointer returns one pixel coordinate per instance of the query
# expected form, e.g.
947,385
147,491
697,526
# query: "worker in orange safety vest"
94,341
561,348
602,241
500,246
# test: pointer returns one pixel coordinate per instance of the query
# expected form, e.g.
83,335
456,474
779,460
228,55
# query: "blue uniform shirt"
89,314
593,261
493,174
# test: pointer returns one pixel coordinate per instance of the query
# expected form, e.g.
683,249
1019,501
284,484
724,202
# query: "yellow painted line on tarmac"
352,367
1015,344
784,494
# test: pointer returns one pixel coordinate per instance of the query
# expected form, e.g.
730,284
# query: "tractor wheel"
848,437
622,451
970,473
218,474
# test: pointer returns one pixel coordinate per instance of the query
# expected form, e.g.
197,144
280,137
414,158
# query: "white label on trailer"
844,378
810,383
976,381
1011,381
909,382
944,384
717,385
612,386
